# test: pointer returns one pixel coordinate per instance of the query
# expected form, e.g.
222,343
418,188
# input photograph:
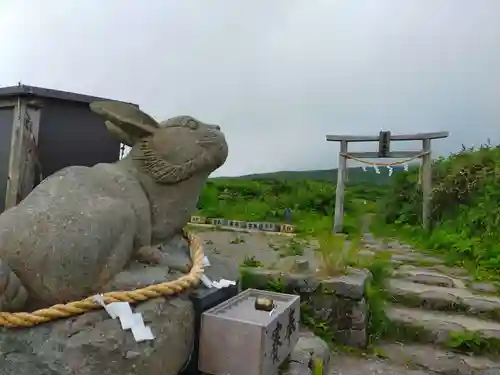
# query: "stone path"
446,298
401,359
441,324
432,301
436,360
342,364
436,302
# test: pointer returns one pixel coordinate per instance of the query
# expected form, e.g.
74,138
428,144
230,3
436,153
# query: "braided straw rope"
23,319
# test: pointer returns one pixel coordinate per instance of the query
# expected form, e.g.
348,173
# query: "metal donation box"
249,334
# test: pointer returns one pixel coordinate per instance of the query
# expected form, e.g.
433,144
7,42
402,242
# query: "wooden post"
29,161
339,192
426,183
15,157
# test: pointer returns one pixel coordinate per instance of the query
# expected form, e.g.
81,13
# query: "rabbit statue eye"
192,124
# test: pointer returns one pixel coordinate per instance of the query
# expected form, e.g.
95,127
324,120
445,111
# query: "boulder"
95,344
308,349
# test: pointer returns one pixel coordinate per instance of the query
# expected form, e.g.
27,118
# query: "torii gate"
383,140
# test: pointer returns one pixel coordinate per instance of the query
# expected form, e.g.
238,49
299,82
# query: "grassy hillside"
312,202
465,214
355,175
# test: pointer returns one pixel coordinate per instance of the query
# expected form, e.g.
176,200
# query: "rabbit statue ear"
119,134
126,121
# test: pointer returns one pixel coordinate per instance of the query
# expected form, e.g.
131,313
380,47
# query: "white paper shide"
128,319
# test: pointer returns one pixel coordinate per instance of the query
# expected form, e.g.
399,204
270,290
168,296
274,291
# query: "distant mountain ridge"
355,175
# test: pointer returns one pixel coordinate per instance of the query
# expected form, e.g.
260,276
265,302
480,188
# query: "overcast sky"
277,75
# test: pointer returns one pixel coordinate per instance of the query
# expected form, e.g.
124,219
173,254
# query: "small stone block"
301,265
238,339
350,286
204,299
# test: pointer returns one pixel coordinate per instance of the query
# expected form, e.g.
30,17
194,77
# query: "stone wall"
333,306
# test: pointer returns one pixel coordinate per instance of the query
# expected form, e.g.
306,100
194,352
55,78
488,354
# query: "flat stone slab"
352,285
452,271
401,253
440,324
398,246
380,247
456,272
366,253
431,260
406,257
428,277
348,364
436,360
484,287
444,298
415,258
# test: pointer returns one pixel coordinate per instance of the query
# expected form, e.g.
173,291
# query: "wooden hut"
43,131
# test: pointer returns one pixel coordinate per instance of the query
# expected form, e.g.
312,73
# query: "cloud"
277,75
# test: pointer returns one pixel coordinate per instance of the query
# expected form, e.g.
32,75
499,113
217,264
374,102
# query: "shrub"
465,213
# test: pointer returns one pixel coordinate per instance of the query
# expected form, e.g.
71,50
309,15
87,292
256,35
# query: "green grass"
294,247
317,366
311,202
335,254
377,297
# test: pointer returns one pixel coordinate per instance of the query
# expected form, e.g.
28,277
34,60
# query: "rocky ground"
430,300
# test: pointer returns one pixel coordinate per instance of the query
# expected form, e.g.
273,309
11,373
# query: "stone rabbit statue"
81,226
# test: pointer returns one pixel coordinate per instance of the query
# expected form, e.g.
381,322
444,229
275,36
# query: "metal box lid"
241,307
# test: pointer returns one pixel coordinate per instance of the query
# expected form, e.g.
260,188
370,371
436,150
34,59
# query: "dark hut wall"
6,120
70,134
